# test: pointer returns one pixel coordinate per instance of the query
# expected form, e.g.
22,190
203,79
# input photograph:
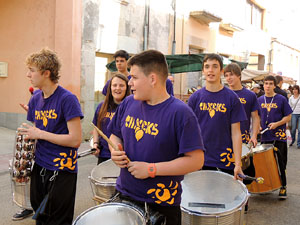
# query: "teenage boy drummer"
219,113
275,113
159,134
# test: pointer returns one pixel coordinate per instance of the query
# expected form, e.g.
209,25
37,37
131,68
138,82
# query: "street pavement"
264,209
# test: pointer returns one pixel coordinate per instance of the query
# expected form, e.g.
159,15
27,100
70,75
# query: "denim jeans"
295,121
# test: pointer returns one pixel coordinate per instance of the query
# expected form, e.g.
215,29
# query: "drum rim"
109,161
213,214
263,150
110,204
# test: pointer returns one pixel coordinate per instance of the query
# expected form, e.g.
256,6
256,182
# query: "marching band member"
159,134
118,89
275,113
121,57
56,115
232,74
219,114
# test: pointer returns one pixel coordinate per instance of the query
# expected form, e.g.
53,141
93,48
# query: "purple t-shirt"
216,111
169,87
278,109
51,115
249,101
153,134
105,152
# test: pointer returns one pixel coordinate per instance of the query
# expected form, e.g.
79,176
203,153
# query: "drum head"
245,150
110,214
212,193
105,173
262,148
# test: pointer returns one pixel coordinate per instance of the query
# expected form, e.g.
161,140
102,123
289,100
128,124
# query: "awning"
258,75
182,63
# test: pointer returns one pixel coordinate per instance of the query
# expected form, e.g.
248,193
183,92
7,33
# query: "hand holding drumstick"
118,148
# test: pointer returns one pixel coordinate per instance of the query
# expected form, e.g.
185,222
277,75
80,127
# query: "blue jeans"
295,121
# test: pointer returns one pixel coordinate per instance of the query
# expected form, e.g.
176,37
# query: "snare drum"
103,180
266,167
212,197
111,214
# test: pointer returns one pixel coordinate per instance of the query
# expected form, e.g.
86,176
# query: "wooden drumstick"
107,139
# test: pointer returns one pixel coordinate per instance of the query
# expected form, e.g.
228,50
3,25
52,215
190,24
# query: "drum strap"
43,173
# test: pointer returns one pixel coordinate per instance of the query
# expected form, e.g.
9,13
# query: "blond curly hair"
45,59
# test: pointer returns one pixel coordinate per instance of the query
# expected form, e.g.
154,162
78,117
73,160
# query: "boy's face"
269,87
121,64
232,79
35,76
139,83
212,71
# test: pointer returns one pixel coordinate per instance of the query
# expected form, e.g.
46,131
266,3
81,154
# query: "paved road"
263,209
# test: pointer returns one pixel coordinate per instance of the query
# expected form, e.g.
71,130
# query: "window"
254,15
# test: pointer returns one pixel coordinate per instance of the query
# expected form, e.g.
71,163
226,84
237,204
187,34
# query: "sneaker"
282,193
24,213
291,144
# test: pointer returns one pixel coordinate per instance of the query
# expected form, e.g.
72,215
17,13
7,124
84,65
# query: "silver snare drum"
111,214
212,197
103,180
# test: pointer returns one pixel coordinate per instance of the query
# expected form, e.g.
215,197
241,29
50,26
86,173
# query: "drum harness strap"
43,173
42,208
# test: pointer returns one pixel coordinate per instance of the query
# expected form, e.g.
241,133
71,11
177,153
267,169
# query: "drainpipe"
146,25
174,24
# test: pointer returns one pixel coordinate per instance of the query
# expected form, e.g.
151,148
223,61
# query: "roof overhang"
205,17
230,27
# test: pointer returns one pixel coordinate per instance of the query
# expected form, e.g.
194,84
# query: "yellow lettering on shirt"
243,100
269,105
141,127
212,108
45,115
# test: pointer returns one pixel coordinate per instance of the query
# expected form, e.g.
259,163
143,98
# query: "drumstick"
259,180
264,130
107,139
86,152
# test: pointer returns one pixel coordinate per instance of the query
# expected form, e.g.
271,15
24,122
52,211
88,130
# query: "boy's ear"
47,73
153,78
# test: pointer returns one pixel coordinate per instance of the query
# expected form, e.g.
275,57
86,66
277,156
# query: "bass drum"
212,198
266,166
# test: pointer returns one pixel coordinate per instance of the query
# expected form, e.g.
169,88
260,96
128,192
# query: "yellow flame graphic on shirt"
163,194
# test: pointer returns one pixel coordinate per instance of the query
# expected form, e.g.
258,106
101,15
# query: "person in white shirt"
295,105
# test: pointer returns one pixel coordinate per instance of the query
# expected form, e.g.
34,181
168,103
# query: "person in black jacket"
278,90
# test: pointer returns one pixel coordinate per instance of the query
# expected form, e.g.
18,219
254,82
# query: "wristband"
151,170
96,142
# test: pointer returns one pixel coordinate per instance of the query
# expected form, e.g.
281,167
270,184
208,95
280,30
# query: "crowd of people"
159,137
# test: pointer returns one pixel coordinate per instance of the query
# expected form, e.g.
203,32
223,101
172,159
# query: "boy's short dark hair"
122,54
270,78
150,61
213,56
45,59
278,79
233,68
